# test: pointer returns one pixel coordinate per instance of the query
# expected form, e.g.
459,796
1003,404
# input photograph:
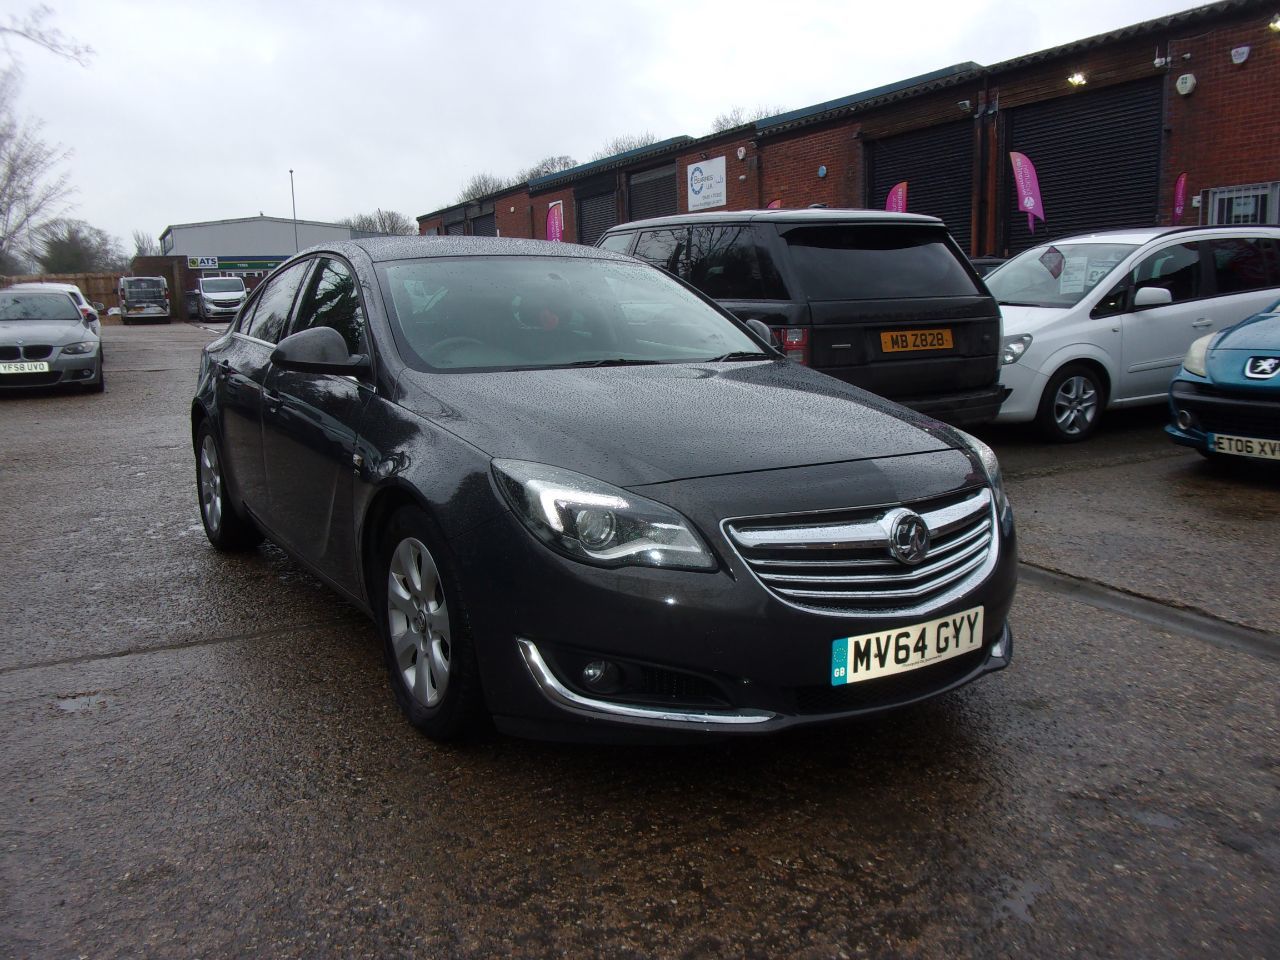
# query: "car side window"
726,264
272,311
1176,269
1241,264
617,242
664,248
332,300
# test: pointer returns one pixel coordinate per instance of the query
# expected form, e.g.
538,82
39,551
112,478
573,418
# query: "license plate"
900,341
25,366
1244,446
872,655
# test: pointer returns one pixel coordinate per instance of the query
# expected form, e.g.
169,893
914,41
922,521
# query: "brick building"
1111,124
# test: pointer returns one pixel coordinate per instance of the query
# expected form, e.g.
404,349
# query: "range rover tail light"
795,343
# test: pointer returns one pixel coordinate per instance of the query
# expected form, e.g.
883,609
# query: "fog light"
1185,420
601,675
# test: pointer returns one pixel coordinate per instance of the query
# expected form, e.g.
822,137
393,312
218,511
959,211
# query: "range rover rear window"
844,262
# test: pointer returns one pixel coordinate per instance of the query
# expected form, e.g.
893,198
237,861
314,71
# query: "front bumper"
721,655
1213,410
1025,385
215,310
64,370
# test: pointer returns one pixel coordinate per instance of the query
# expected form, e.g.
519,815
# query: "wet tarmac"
201,756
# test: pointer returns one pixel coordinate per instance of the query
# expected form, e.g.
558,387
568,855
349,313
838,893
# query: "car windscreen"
144,285
877,262
223,285
37,306
1055,276
505,312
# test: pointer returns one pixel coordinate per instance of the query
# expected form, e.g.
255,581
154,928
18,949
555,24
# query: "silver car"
46,341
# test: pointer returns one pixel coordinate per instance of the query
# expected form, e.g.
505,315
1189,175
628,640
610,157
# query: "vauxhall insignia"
1261,368
909,538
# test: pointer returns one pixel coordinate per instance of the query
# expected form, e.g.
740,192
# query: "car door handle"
272,400
1202,322
222,370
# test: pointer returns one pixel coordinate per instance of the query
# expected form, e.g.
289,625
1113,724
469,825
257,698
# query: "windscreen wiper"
1018,303
612,362
740,355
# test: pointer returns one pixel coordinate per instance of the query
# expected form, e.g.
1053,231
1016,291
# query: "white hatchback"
1103,320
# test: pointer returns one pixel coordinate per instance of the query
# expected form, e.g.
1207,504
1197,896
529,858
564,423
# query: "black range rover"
885,301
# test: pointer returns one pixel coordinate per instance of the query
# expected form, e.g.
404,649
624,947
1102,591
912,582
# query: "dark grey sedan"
580,498
46,341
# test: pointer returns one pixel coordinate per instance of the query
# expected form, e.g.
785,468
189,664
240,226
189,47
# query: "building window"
166,244
1249,203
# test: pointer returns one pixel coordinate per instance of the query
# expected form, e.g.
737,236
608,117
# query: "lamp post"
294,198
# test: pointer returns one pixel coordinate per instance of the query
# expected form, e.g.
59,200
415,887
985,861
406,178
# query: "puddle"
81,702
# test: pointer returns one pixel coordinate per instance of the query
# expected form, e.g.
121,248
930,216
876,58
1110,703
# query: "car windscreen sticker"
1073,274
1053,260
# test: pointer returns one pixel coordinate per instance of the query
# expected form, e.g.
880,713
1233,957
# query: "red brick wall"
1227,132
428,223
791,165
512,212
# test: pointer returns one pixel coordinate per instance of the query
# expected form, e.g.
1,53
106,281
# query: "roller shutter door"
596,215
1097,157
937,164
455,229
485,226
652,194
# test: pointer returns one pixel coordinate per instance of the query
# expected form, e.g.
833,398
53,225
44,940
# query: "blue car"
1226,398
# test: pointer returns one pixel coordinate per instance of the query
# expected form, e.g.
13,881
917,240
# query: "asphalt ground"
201,756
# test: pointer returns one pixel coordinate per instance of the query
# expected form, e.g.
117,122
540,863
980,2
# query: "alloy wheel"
1075,405
418,618
210,483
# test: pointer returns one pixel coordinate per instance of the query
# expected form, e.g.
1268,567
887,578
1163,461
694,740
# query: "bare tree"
628,141
144,245
32,190
382,221
481,185
73,246
34,26
545,167
737,116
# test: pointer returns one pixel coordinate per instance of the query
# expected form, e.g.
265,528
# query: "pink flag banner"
897,202
1028,184
555,221
774,205
1179,197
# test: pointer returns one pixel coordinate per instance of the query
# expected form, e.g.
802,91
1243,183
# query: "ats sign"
202,263
706,184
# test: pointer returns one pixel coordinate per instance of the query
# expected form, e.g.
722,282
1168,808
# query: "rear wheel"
223,525
426,644
1072,404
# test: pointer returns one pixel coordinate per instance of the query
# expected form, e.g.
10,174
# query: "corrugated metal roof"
608,163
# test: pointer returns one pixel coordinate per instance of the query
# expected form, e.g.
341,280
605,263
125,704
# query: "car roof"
806,215
43,285
1140,235
383,249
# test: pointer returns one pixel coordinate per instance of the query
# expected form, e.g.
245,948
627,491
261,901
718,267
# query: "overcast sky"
194,112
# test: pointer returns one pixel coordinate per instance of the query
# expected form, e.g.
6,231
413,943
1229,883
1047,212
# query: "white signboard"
705,180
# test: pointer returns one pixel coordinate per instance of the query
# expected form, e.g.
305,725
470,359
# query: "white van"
143,298
1103,320
220,297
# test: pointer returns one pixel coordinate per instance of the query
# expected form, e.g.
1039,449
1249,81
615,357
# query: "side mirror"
319,350
763,331
1151,297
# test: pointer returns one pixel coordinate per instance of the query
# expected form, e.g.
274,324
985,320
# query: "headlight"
593,521
1015,347
1194,362
84,346
990,466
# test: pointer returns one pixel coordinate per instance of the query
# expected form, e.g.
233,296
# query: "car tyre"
1072,404
225,527
425,632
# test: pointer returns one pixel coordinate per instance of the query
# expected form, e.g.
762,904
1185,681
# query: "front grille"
887,691
840,562
29,379
36,351
1236,413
